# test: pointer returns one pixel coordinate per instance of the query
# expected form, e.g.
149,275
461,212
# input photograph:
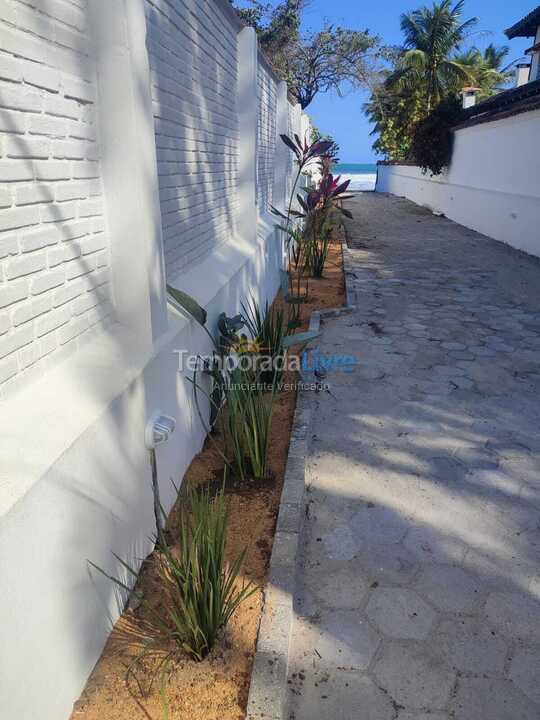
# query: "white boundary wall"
135,151
492,185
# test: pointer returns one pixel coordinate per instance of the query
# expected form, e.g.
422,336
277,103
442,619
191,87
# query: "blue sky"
343,117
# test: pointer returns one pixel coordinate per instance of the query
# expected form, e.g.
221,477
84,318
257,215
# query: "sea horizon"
362,175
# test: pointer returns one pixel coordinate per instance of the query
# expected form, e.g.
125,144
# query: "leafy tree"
254,15
433,137
428,68
394,115
485,69
432,36
333,58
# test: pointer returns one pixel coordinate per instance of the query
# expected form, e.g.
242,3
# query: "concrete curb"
268,689
349,278
347,264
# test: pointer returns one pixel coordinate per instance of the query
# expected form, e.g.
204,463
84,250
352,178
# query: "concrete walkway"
419,585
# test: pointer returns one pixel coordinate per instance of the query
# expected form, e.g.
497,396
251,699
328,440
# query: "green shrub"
249,416
267,330
433,137
199,591
320,243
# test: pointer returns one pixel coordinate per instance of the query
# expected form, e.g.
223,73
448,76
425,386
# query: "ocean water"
361,175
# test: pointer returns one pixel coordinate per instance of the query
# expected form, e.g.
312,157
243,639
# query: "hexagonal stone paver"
428,492
327,584
469,645
450,588
525,671
341,543
431,544
341,696
342,639
388,563
491,699
378,525
400,613
500,574
413,677
516,614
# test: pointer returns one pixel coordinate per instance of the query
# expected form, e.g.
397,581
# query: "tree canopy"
485,68
432,35
332,58
429,68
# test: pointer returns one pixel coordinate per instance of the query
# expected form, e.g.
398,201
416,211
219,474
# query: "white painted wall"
74,473
193,66
492,185
266,133
54,245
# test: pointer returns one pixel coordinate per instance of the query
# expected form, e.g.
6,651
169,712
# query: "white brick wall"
193,62
55,270
54,277
57,253
293,127
266,134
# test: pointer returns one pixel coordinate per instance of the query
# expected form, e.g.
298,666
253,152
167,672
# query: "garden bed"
216,688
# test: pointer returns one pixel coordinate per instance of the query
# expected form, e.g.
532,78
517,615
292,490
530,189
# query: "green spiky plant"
268,330
238,396
199,590
320,247
249,418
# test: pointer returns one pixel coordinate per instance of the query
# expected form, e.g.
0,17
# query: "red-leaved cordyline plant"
317,205
329,193
304,153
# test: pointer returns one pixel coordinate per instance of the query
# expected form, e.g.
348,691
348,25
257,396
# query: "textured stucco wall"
492,185
143,146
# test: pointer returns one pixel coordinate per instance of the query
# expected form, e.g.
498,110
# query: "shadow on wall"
193,65
97,498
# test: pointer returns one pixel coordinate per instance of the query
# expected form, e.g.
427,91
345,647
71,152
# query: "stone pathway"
419,584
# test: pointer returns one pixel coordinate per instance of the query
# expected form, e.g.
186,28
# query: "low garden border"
268,689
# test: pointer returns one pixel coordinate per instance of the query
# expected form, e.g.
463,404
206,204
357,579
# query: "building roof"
504,104
533,49
526,27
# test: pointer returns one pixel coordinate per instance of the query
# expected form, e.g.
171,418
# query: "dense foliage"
332,154
430,68
431,36
332,58
433,137
394,114
485,68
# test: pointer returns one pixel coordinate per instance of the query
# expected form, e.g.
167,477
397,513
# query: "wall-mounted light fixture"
158,430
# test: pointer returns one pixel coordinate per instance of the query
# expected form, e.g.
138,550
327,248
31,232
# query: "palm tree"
432,35
485,68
